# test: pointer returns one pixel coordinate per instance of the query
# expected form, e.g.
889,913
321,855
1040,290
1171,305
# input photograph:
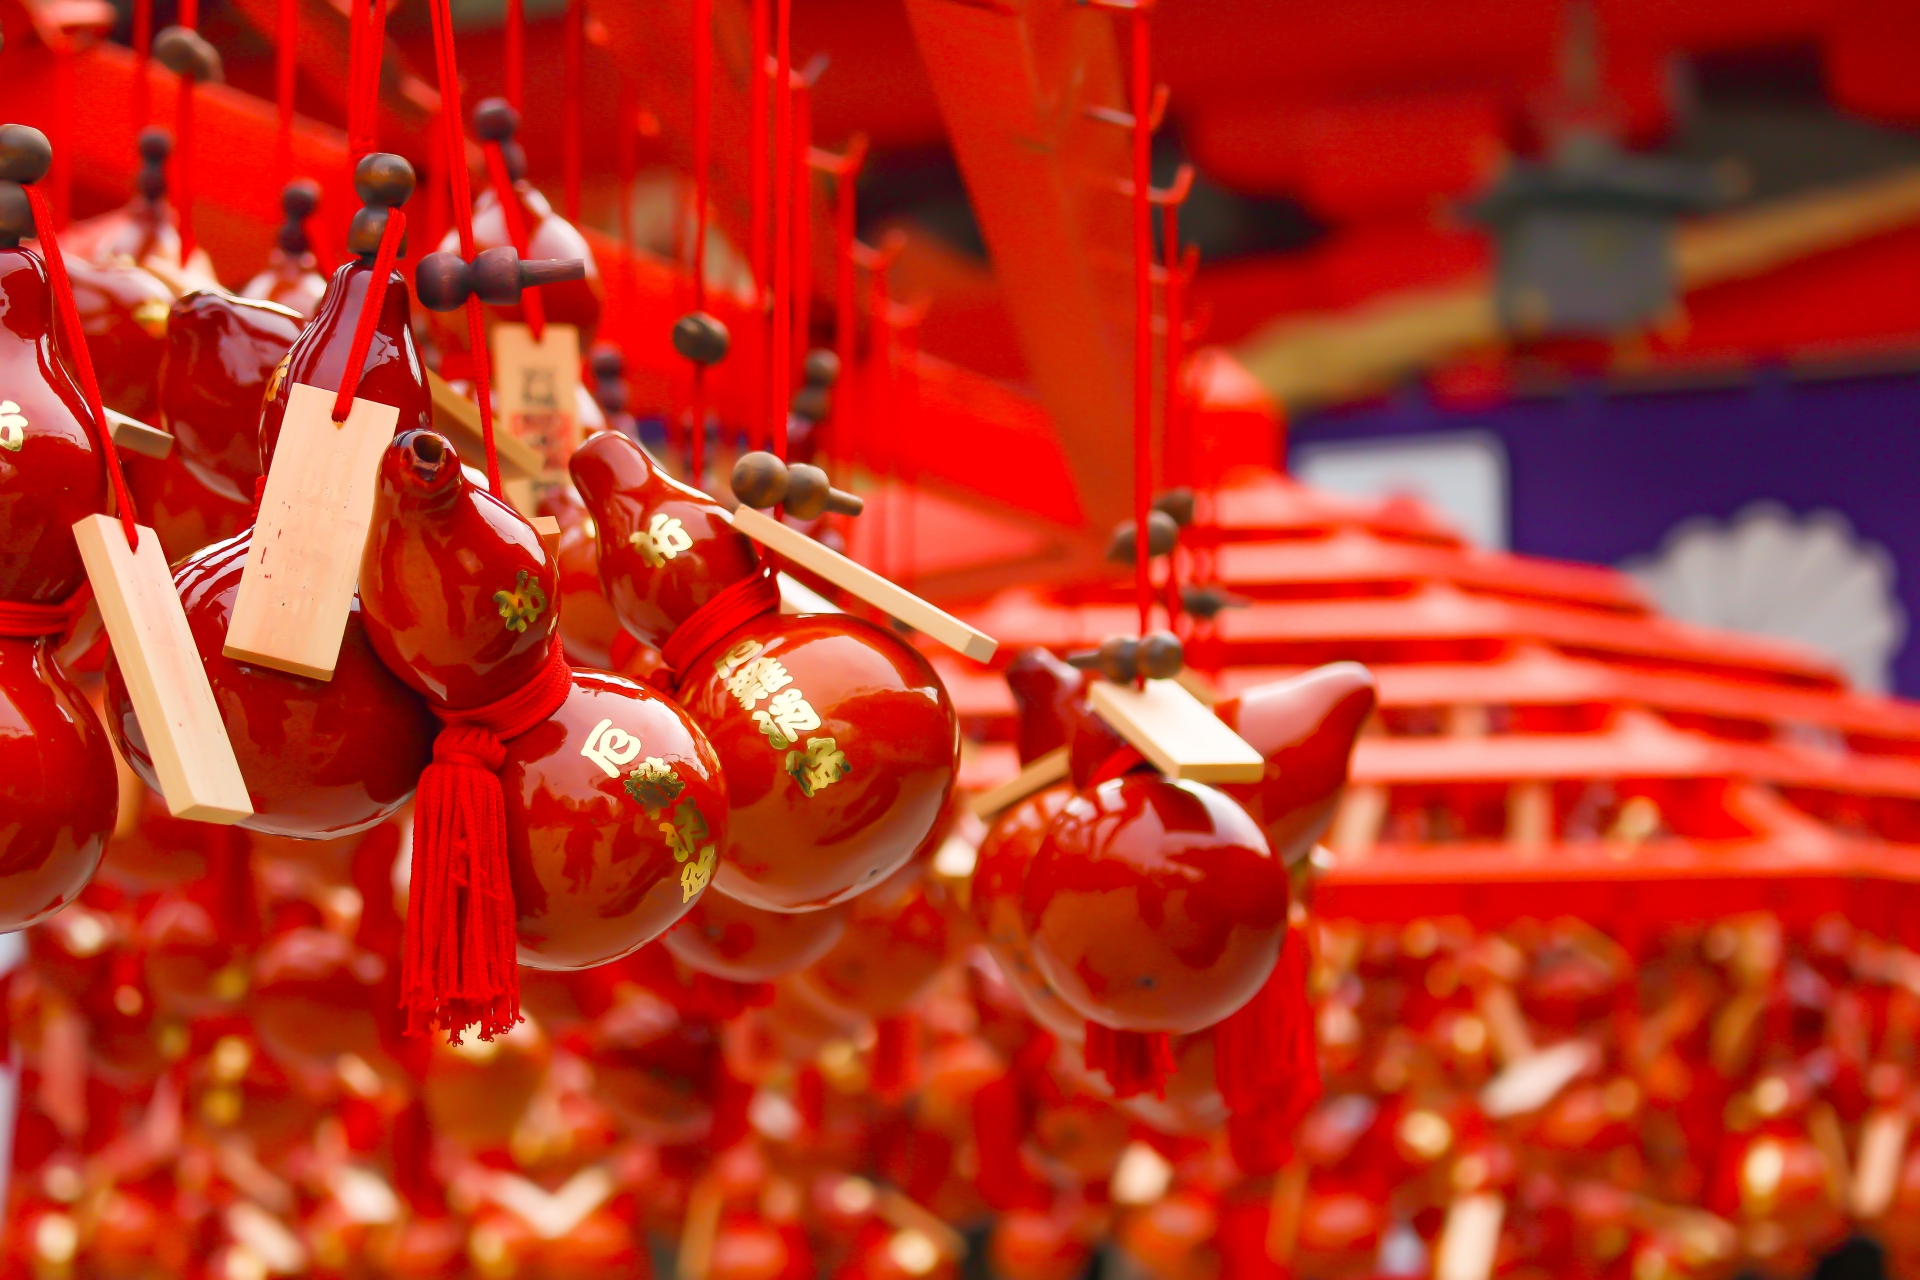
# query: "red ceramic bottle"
223,359
1306,728
321,758
615,811
838,740
123,311
58,785
1155,906
587,624
185,513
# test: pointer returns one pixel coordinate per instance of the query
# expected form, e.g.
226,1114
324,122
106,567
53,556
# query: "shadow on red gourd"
838,741
223,358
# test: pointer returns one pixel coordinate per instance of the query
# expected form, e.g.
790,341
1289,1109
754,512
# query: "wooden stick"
297,588
1040,773
1176,732
186,738
136,436
458,419
1471,1238
863,582
1876,1174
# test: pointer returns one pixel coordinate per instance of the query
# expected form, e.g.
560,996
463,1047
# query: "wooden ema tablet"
537,388
185,736
136,436
863,582
1176,732
458,419
1039,774
547,529
1883,1150
297,588
1471,1238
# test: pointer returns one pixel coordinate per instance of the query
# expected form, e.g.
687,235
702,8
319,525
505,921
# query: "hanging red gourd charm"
58,785
838,741
571,815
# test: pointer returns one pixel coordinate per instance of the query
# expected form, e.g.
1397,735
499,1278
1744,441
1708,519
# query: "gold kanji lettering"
695,875
819,766
787,717
664,538
757,678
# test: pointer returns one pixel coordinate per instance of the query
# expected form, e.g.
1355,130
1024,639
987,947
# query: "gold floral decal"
687,835
820,766
663,539
13,426
523,604
654,785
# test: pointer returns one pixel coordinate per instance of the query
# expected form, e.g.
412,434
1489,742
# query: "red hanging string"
802,192
462,199
516,50
782,354
82,359
510,210
369,50
1170,247
702,179
1142,315
757,205
844,224
61,174
183,150
143,63
570,105
286,32
370,312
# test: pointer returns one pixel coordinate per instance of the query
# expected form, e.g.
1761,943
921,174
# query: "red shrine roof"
1546,743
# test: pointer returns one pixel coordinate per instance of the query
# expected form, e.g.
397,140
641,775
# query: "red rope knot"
734,607
31,621
470,746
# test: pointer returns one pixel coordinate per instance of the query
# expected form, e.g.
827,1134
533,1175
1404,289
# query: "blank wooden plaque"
1176,732
866,584
1039,774
537,387
297,588
186,738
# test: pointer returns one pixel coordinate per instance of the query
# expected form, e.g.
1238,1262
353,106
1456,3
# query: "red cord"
143,63
570,105
284,65
757,201
1142,315
82,359
844,224
183,165
516,222
702,179
370,46
516,50
370,312
782,355
802,223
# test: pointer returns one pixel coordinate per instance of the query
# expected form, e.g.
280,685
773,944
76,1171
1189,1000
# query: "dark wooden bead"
812,403
1177,504
495,120
1160,656
807,490
25,153
185,52
822,368
364,232
760,479
1208,602
383,179
1119,658
16,214
1162,534
700,338
440,282
607,361
298,199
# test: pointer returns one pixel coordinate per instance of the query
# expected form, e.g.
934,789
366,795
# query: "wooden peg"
186,737
137,437
869,586
1040,773
297,588
1176,732
497,277
547,529
537,388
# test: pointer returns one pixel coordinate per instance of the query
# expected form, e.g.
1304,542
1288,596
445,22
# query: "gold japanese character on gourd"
13,426
664,538
757,678
819,766
787,717
654,785
523,604
695,875
687,835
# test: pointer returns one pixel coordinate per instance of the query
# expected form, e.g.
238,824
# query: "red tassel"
896,1056
1133,1063
1267,1065
1001,1118
413,1175
458,966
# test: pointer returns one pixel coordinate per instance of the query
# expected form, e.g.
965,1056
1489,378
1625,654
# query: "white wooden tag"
863,582
186,738
297,588
1470,1240
536,386
1177,732
136,436
1039,774
1876,1173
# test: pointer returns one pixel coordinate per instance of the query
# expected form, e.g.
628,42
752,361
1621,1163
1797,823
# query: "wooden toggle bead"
185,52
1162,534
16,214
383,181
1123,659
25,153
1207,603
761,480
609,368
496,276
495,120
156,147
298,200
700,338
1176,503
815,399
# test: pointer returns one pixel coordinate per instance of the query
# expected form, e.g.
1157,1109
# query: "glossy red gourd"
183,512
58,786
290,280
222,356
655,1071
995,903
729,939
838,741
587,623
321,758
896,942
393,373
1050,696
123,311
1305,727
313,999
614,805
1155,906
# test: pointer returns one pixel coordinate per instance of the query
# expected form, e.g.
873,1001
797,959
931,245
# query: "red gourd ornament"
572,814
587,625
292,276
839,742
223,358
59,789
729,939
1305,728
123,311
321,758
182,511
